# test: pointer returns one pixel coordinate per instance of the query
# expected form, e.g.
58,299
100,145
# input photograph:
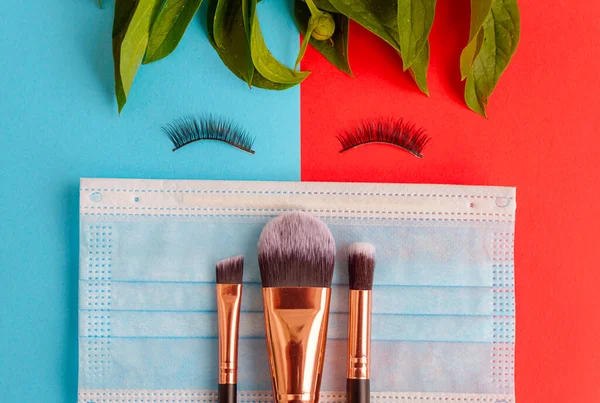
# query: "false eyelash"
399,133
188,129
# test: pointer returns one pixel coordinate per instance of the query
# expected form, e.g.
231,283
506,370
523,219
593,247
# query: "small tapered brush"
229,298
361,266
296,255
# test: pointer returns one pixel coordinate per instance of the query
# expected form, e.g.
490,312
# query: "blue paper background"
59,123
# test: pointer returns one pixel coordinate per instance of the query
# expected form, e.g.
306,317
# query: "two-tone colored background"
58,122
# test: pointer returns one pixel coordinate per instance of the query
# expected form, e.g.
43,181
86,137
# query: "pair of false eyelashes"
399,133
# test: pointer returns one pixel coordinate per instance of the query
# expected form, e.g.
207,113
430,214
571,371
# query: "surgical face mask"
443,321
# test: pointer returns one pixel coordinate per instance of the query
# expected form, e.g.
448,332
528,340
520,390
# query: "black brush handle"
227,393
358,390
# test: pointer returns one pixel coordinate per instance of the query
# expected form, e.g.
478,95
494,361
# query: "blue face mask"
443,321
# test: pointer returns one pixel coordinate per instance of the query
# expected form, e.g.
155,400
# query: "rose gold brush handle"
296,331
359,347
229,298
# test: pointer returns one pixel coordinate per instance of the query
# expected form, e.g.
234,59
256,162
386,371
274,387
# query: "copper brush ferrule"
361,265
296,330
229,301
359,334
229,298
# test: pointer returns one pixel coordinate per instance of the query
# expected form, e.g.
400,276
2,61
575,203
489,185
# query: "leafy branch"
145,31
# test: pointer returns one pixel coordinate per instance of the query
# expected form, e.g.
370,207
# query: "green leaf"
381,18
229,33
480,9
211,10
248,11
336,50
501,31
266,64
131,29
123,13
415,18
169,27
233,50
418,70
378,16
324,5
305,40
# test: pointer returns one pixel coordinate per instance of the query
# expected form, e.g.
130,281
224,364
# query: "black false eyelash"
399,133
188,129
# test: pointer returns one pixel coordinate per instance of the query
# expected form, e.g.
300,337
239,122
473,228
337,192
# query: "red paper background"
541,136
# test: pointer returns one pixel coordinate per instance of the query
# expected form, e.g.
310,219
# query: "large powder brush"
296,255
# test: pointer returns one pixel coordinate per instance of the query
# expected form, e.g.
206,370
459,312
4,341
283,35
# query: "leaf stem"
305,41
314,11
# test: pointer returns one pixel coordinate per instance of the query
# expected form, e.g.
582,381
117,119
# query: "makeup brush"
229,297
361,264
296,255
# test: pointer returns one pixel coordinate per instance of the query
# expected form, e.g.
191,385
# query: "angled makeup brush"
361,265
296,255
229,297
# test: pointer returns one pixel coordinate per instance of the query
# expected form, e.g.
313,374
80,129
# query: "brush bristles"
361,265
230,271
296,250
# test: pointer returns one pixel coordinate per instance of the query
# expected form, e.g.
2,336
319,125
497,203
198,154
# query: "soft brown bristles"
231,270
296,250
361,265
